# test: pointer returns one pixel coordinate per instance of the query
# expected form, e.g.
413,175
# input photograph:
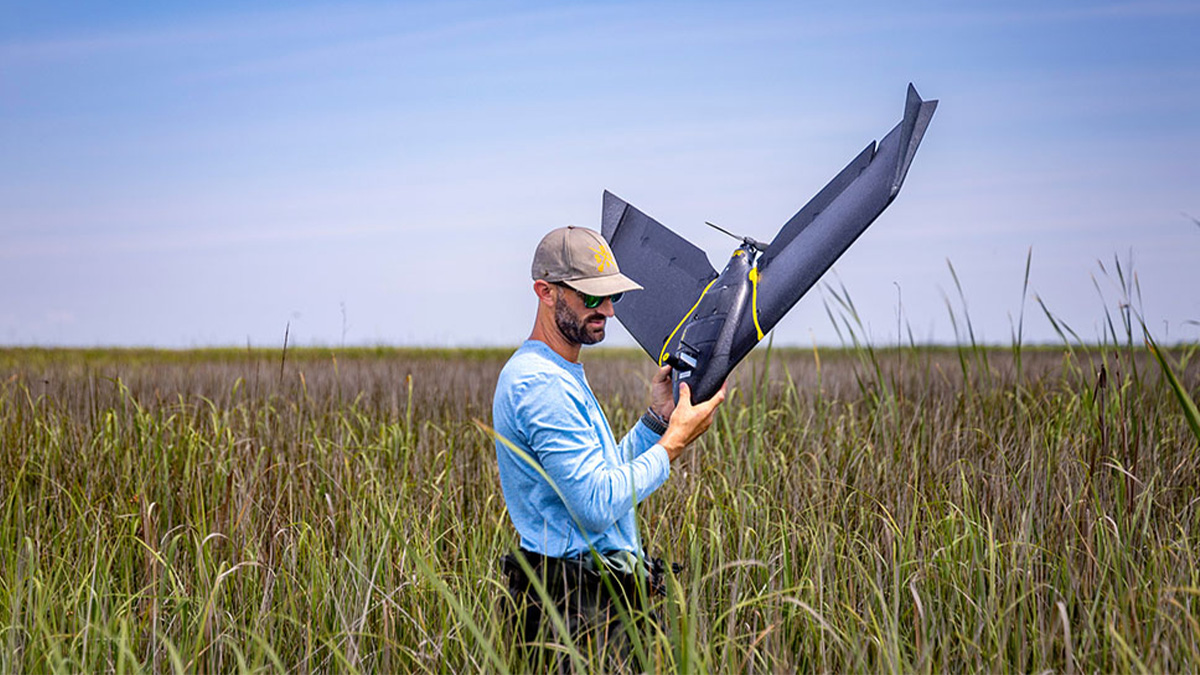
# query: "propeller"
753,243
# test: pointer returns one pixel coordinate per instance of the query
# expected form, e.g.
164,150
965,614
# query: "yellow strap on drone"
663,356
754,300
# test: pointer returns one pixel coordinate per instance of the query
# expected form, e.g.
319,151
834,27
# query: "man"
570,487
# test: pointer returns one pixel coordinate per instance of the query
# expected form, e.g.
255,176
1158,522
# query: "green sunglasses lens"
594,301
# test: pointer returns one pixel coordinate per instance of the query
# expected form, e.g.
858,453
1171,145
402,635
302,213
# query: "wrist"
673,444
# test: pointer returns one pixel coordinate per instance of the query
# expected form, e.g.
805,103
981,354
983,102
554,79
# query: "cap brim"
606,285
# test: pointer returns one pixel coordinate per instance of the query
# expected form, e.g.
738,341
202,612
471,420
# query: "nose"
606,307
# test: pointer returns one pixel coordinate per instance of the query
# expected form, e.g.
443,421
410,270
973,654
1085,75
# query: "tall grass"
899,509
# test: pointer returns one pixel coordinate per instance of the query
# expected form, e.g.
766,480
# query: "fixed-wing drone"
702,323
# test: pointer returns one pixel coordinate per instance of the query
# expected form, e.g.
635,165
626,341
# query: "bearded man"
570,487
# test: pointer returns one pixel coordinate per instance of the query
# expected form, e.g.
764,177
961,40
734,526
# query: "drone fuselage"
710,332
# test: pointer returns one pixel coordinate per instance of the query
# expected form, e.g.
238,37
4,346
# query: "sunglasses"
592,301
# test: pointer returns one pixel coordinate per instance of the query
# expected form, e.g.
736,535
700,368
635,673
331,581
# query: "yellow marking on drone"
738,252
604,258
663,356
754,300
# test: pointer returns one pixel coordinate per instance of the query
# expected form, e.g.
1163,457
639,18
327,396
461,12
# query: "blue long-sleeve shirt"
566,480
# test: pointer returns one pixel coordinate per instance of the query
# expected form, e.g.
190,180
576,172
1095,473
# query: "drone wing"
673,271
819,233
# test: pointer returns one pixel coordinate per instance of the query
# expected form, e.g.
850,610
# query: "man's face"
577,323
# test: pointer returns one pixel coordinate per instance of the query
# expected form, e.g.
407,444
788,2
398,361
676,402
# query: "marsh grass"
904,509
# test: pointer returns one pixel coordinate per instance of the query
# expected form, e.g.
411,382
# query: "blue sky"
189,174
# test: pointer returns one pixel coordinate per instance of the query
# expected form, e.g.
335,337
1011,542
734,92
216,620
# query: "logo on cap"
604,257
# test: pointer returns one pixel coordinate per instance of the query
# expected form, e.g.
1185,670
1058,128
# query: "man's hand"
689,421
662,399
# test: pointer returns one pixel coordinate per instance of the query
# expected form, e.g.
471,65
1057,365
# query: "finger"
715,401
685,393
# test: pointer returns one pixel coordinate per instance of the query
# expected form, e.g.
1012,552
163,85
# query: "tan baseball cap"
581,259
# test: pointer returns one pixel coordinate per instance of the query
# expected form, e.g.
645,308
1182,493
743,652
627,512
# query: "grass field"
910,509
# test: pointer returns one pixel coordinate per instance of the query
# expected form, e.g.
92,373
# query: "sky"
201,174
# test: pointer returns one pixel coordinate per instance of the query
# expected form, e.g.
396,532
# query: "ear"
545,292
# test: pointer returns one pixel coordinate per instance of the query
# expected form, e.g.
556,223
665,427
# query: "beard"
574,329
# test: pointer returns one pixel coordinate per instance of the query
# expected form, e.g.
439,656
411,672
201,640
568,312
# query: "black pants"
602,609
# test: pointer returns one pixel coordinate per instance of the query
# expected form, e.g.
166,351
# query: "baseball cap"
581,259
